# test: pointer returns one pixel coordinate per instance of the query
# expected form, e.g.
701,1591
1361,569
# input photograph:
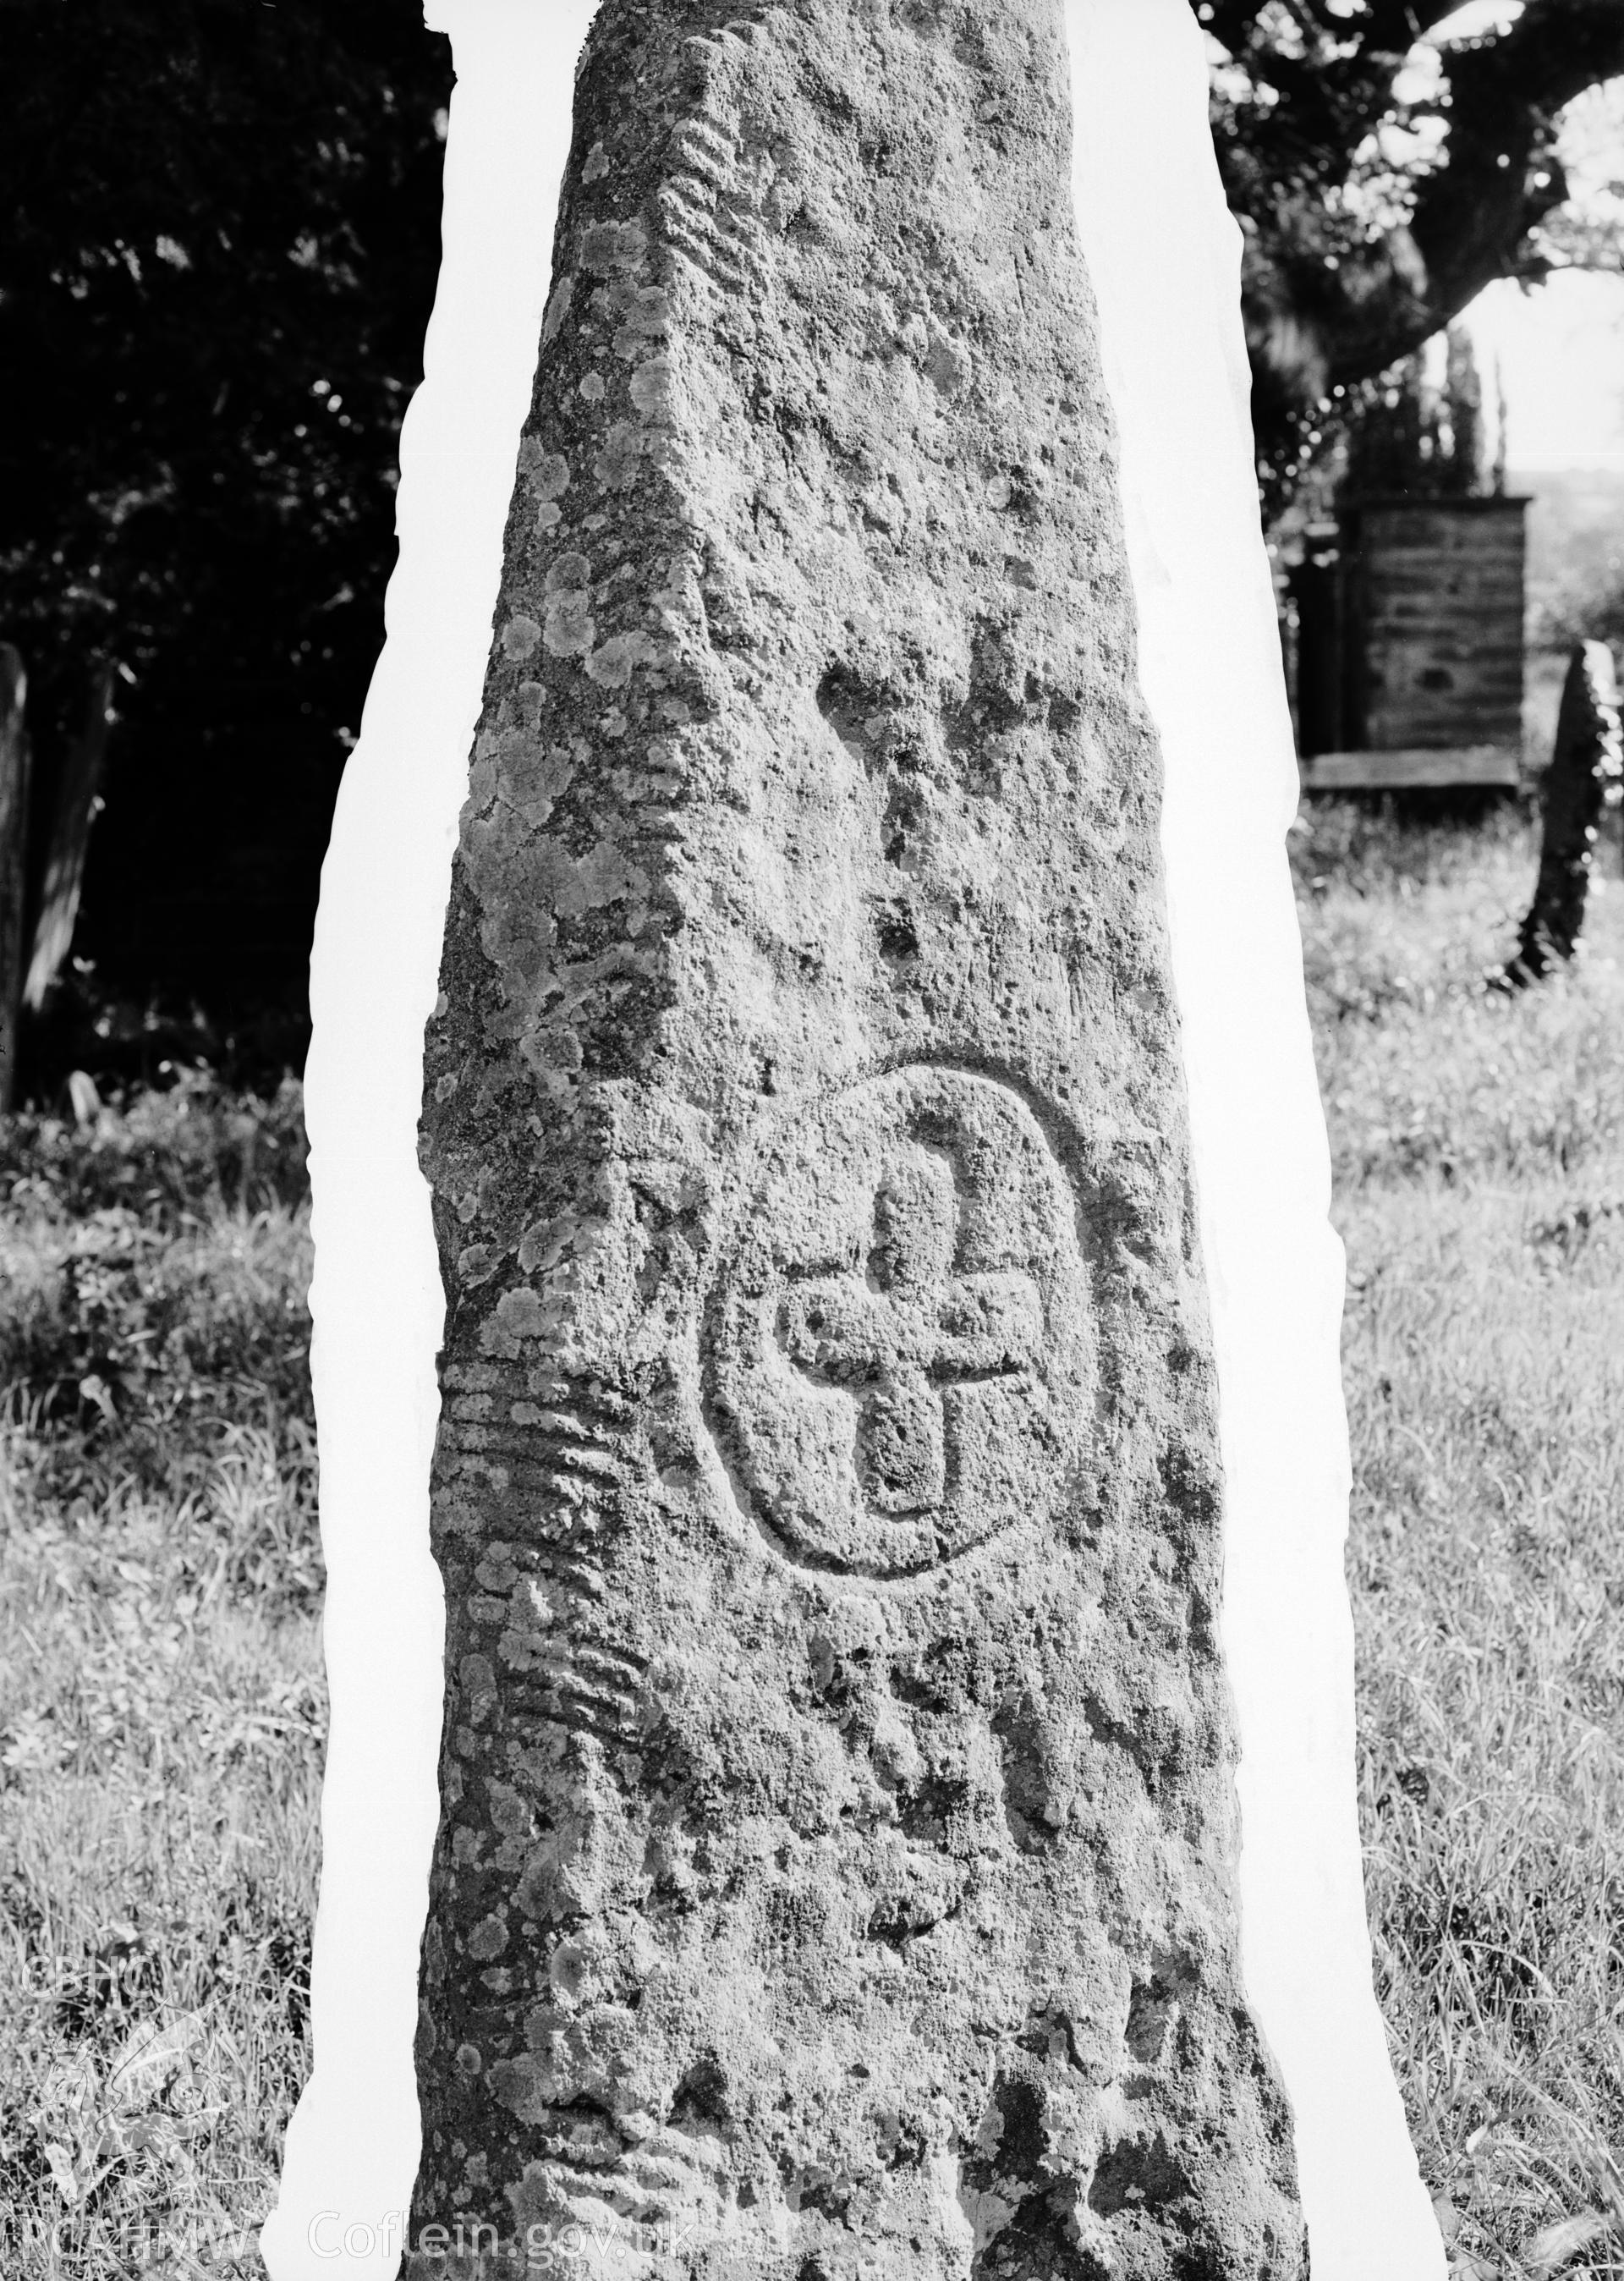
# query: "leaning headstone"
1586,766
837,1870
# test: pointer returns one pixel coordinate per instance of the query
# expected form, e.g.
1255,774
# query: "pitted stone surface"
836,1867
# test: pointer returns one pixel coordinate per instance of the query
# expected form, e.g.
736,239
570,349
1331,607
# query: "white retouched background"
1164,256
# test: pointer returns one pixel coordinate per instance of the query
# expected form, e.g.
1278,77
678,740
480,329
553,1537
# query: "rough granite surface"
836,1868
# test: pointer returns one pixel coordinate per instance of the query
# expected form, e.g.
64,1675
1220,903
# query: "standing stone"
837,1862
1586,766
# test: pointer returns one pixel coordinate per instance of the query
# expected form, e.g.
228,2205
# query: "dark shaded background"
217,255
218,241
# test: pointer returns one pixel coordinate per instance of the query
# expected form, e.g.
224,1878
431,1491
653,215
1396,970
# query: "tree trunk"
14,770
72,812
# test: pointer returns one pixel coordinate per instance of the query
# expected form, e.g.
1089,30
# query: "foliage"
155,1262
220,231
1382,179
217,259
190,1149
219,240
1403,434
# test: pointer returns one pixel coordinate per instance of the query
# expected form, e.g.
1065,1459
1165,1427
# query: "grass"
160,1693
161,1696
1478,1151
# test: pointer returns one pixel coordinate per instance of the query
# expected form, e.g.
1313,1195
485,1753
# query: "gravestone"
836,1865
1586,767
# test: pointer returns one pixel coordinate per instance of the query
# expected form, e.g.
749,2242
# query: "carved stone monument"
836,1867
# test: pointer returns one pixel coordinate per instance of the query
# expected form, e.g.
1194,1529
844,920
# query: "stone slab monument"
1581,785
836,1869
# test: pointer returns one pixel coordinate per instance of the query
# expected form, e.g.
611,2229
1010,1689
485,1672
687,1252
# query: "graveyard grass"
161,1703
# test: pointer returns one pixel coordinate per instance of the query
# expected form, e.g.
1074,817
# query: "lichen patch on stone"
520,635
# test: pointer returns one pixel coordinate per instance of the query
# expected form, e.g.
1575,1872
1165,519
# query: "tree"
218,240
1381,183
1408,434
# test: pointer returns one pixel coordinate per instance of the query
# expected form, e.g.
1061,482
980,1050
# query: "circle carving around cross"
899,1357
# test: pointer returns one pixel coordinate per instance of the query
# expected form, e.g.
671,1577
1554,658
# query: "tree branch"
1399,24
1388,26
1315,322
1472,217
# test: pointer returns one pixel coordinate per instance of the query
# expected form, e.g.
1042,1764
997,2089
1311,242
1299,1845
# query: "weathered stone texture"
836,1867
1582,779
